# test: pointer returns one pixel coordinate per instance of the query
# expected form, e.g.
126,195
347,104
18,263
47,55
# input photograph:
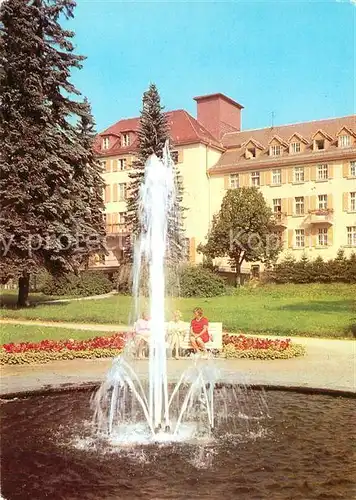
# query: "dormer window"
275,150
321,140
125,140
297,143
294,147
345,137
250,153
105,143
344,141
319,144
252,148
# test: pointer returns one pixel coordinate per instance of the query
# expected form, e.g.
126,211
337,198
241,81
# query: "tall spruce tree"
49,185
152,134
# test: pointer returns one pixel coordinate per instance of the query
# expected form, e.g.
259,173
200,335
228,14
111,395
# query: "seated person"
199,334
142,331
175,331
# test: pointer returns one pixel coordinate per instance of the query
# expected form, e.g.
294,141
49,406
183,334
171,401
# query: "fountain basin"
303,447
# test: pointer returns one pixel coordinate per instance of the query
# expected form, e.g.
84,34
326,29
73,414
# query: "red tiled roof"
184,129
234,157
306,129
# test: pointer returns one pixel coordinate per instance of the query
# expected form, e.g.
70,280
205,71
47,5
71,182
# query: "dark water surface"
305,450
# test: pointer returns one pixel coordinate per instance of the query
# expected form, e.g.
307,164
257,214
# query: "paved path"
74,299
328,364
73,326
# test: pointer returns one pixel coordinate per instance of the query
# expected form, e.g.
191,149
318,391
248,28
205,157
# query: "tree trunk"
24,286
237,274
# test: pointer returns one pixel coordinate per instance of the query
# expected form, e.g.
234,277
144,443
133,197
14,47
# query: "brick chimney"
218,114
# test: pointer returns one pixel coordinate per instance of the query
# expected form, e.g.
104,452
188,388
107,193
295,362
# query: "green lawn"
8,298
24,333
310,310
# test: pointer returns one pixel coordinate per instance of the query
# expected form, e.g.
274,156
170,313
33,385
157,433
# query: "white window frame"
299,205
276,176
344,141
353,168
323,172
122,164
323,237
105,143
353,201
322,201
351,236
277,205
299,238
295,148
125,140
122,217
299,174
255,178
121,191
234,181
275,150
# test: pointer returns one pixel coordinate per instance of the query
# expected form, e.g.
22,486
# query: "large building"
306,172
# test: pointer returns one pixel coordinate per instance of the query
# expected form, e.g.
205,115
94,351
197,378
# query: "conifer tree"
152,134
49,204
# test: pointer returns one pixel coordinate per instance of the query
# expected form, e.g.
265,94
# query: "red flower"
116,341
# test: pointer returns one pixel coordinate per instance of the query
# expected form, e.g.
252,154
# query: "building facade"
305,171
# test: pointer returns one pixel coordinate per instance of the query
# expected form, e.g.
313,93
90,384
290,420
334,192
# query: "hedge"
290,270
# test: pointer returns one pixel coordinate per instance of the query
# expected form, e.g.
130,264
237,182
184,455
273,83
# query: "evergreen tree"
152,134
47,207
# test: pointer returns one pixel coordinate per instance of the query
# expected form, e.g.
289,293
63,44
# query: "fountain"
157,197
285,451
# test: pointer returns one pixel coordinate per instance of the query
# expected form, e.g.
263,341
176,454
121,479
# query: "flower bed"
240,346
234,346
50,350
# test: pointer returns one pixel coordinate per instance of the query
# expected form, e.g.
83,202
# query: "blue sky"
295,59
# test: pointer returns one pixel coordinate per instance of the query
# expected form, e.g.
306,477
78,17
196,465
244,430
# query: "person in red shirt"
199,334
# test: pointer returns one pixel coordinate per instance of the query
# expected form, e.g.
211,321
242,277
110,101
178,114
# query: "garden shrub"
184,281
199,281
83,285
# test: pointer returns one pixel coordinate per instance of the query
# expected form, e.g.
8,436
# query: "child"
199,334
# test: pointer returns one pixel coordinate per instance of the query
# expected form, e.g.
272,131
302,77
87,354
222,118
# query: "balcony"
321,216
116,230
280,219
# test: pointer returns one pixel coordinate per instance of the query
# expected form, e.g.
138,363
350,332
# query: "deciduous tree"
243,230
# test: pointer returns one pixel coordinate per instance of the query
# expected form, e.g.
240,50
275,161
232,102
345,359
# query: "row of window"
321,203
125,141
118,165
114,165
319,144
322,174
323,237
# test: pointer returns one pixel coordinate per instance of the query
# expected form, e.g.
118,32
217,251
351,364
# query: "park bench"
214,345
215,331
